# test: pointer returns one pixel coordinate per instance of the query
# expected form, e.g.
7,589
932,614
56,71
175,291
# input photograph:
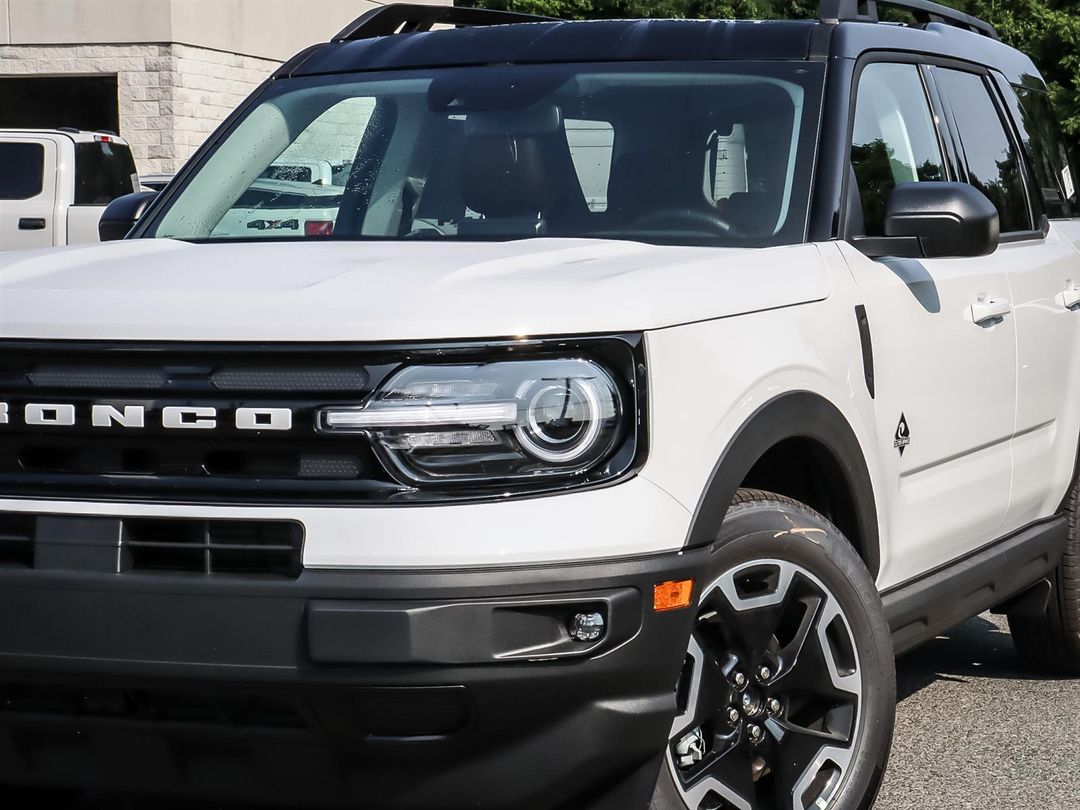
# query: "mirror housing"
122,213
935,221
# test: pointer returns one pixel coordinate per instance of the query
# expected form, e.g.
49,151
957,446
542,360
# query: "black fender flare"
798,414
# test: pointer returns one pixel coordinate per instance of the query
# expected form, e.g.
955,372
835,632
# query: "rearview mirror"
935,221
122,213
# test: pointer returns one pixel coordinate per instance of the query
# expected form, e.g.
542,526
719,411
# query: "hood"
164,290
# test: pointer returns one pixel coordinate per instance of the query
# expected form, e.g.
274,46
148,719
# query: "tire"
788,592
1050,642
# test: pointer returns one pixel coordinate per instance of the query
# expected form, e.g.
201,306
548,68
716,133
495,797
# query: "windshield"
668,153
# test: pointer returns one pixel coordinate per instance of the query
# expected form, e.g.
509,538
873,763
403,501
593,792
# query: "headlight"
510,420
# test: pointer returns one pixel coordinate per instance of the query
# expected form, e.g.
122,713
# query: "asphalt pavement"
975,729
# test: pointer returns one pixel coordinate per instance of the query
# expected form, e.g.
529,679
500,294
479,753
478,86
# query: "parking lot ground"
975,729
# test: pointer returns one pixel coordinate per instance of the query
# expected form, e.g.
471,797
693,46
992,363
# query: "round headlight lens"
562,419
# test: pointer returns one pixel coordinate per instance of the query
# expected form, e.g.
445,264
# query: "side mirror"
122,213
935,221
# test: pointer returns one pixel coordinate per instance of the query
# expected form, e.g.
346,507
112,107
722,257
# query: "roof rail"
409,18
925,12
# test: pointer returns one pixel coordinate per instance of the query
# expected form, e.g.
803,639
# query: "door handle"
32,224
987,311
1070,296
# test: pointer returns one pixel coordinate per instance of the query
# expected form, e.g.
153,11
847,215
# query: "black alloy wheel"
787,696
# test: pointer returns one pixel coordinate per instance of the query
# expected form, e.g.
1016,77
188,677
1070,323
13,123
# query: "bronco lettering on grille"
54,414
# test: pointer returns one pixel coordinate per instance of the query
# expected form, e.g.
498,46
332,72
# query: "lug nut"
774,707
733,716
756,734
764,673
740,679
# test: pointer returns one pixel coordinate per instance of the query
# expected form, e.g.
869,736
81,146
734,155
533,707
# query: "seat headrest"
503,176
643,182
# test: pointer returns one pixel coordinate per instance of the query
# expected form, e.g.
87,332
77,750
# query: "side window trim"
850,193
950,145
990,85
1038,210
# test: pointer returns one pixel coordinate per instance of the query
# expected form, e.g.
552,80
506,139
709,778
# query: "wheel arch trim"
792,415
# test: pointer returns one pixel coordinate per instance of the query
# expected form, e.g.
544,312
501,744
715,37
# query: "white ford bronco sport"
55,184
642,389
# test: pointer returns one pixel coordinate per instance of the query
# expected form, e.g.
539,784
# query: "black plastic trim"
940,599
793,415
167,663
867,342
410,18
925,12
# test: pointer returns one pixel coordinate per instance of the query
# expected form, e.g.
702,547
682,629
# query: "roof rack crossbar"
409,18
924,11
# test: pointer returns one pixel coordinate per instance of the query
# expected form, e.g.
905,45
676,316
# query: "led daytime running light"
407,416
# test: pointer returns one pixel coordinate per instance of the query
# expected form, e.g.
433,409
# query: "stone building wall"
171,97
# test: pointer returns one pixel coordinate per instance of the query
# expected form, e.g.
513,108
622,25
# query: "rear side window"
1046,151
992,161
103,172
895,140
22,170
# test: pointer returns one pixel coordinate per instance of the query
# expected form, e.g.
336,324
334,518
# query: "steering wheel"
425,228
686,219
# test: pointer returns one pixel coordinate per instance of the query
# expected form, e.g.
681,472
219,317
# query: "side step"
926,607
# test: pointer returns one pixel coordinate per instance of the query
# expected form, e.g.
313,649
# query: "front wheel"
788,693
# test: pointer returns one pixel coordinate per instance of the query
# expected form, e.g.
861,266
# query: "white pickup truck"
55,183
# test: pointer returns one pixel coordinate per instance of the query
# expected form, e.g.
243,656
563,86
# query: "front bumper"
373,689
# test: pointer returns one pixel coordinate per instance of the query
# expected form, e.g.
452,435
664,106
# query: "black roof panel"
589,41
654,40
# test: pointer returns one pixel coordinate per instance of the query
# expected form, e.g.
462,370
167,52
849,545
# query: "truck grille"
213,546
134,545
225,463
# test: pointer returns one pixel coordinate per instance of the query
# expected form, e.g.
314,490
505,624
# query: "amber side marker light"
672,595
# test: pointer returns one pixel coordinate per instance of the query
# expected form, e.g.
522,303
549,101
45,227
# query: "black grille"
213,547
223,463
16,540
371,712
143,545
156,706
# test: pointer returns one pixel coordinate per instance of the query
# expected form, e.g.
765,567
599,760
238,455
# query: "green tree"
1048,30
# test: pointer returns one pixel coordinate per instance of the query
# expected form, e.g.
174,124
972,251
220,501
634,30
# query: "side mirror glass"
122,213
936,221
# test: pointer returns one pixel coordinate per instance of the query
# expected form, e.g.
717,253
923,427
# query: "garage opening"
47,102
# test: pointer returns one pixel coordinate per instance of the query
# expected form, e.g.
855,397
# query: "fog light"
587,627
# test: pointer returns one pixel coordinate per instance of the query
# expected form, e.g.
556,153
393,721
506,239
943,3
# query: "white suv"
652,385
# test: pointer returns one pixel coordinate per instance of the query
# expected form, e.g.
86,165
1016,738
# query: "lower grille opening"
16,541
237,710
214,547
259,548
